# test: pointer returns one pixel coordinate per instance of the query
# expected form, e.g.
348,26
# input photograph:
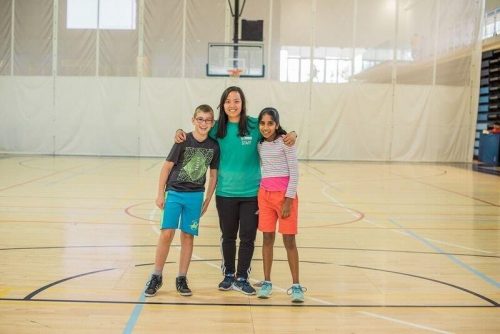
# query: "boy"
183,176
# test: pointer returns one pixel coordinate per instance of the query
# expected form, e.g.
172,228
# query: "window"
329,65
102,14
489,26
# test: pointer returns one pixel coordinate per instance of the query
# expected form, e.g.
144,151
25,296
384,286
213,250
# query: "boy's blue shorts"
182,210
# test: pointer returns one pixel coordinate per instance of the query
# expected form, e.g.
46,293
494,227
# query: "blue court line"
476,272
135,315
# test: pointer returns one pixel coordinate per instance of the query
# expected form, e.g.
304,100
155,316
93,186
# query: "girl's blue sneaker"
266,290
297,293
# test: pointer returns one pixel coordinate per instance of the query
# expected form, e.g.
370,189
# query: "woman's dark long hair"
275,116
223,119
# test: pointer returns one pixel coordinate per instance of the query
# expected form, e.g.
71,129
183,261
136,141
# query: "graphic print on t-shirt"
195,164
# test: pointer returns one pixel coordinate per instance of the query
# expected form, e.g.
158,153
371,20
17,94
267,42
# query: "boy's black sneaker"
182,286
153,285
242,285
227,283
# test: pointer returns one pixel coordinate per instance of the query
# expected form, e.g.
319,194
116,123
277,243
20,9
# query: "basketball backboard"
225,58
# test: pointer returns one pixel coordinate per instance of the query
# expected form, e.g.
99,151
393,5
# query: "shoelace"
244,282
266,286
296,289
153,282
228,278
182,282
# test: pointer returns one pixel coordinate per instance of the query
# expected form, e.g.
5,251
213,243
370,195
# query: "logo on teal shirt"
246,140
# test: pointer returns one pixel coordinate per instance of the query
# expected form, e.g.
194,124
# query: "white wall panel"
26,114
97,116
431,124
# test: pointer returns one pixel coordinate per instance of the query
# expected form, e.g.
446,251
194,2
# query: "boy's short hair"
203,108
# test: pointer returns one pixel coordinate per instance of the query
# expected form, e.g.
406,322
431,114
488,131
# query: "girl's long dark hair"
273,113
223,119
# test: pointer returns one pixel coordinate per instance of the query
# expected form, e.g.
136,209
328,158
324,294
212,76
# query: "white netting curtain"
163,36
5,36
205,23
33,37
357,79
76,52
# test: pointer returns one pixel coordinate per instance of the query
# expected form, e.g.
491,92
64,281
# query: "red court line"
360,216
38,178
127,211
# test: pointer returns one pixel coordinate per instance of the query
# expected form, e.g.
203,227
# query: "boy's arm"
290,138
212,182
165,172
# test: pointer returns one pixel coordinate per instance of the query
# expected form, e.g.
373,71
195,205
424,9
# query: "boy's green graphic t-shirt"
239,167
191,160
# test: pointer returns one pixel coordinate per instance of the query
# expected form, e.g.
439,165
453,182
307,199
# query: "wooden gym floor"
384,248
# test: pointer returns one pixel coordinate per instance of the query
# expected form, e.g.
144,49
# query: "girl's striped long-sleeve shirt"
279,167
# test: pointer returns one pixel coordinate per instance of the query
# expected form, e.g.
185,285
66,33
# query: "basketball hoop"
234,72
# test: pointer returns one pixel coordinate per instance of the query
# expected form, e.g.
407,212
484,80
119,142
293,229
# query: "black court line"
492,302
242,304
34,293
364,180
448,190
416,179
391,251
256,246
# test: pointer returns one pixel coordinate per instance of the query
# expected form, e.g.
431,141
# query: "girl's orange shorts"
270,205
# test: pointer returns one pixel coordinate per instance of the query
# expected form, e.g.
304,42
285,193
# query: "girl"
278,200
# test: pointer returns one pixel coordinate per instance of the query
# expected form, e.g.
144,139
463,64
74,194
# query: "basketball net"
235,72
